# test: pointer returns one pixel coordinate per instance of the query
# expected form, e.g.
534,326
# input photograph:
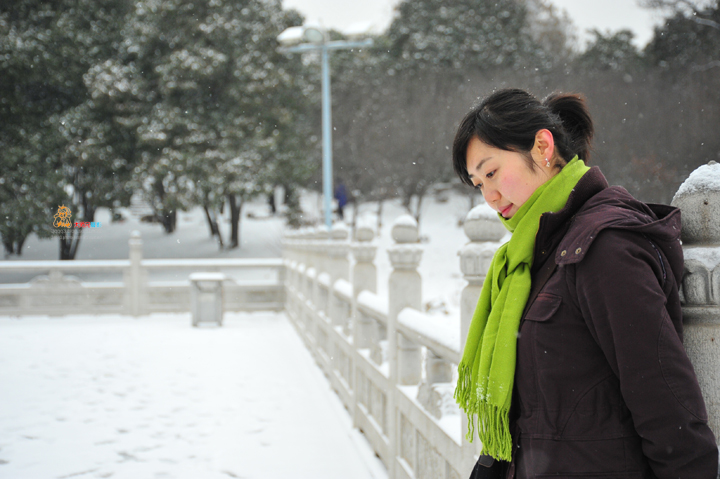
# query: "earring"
547,162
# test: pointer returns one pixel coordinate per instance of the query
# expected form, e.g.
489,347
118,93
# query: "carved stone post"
699,199
364,279
404,290
135,277
337,251
320,259
484,230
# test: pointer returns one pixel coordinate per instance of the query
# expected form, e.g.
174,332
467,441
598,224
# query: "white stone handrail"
79,265
254,284
373,306
429,331
391,364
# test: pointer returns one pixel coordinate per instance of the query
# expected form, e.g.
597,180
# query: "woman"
574,364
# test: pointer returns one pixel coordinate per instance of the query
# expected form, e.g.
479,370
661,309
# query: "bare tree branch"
685,7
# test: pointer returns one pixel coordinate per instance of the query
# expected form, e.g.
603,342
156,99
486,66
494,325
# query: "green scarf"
487,369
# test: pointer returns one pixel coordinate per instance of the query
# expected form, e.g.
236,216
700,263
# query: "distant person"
341,197
574,365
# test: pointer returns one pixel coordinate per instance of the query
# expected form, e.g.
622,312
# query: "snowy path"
116,397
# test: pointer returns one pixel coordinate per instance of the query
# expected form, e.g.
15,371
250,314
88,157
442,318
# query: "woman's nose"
491,195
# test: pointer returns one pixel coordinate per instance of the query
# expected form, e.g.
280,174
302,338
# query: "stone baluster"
366,330
404,290
337,250
435,390
305,250
699,199
320,258
484,230
135,278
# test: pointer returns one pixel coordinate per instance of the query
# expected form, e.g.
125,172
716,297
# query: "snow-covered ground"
117,397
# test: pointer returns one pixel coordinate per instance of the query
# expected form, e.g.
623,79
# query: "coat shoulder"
615,209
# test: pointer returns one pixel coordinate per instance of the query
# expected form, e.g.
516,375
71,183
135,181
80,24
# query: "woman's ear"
544,148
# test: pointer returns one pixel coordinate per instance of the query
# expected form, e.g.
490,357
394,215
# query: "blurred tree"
394,104
458,35
690,38
552,32
610,51
46,48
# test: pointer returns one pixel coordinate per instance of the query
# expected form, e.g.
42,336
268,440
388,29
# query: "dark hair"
509,119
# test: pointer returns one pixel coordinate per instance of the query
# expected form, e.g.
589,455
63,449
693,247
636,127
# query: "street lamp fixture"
307,39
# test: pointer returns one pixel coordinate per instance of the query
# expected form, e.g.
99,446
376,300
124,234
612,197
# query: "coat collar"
553,226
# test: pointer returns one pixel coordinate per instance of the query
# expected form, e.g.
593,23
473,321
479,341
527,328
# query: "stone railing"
699,199
391,364
135,286
394,366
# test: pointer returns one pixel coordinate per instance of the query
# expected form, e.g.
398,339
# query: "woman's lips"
506,210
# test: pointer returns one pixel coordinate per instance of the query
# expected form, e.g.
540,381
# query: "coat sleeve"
620,293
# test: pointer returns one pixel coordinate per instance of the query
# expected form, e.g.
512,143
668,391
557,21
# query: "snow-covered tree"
48,140
219,100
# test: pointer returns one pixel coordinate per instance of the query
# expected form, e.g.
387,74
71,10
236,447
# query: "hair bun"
576,120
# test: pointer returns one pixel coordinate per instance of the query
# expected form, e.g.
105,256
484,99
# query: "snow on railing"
429,331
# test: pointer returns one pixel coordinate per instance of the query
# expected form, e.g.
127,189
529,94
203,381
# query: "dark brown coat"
604,387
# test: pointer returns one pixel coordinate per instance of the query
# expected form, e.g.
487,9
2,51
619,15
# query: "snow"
708,256
113,396
373,302
705,178
344,287
405,220
324,279
445,331
207,277
482,211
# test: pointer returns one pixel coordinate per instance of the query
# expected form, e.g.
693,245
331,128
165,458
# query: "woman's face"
504,177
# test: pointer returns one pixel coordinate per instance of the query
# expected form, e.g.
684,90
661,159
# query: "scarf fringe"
492,422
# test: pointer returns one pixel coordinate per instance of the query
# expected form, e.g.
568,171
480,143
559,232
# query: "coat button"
577,251
563,253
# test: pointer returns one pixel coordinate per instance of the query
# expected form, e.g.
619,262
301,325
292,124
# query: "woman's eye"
490,175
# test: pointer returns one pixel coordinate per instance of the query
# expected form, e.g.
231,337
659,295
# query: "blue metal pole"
327,138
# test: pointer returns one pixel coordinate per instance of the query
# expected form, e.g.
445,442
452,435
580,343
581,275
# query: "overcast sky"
586,14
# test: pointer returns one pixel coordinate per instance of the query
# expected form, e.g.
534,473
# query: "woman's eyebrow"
479,165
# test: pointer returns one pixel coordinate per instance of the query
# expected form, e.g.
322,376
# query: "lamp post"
309,39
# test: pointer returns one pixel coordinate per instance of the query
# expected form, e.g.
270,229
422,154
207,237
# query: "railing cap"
699,199
339,231
405,229
482,224
364,232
